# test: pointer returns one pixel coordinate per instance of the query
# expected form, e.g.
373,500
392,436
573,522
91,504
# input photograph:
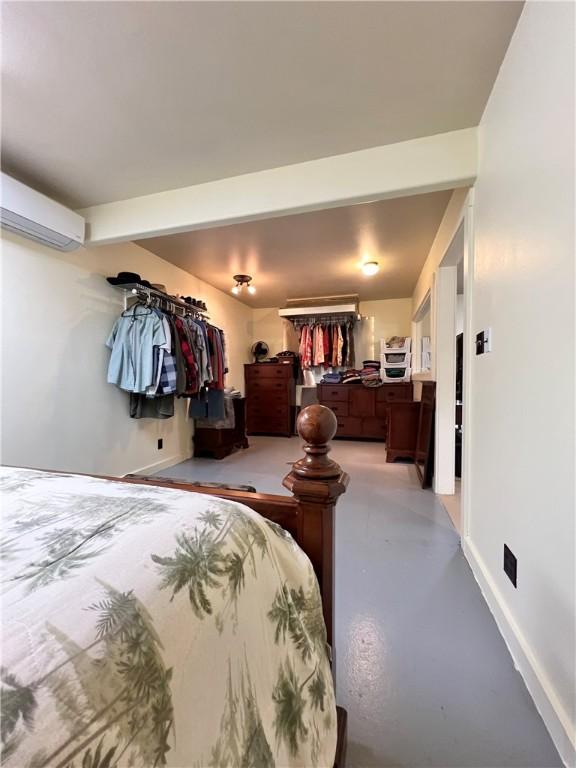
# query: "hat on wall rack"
128,278
241,281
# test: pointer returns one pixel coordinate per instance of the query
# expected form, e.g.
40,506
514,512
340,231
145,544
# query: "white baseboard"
551,710
164,464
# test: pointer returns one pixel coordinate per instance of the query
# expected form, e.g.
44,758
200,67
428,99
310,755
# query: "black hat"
126,278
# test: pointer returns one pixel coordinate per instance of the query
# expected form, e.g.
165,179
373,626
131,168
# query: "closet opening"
328,322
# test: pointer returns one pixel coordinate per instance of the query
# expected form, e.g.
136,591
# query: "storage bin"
386,378
385,347
395,358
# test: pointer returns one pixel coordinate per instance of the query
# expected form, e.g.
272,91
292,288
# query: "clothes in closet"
326,343
156,356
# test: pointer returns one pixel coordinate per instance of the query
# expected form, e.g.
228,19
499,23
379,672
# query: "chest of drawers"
270,398
363,412
221,442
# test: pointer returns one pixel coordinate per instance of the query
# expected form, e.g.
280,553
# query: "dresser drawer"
268,426
375,428
267,411
267,397
330,394
256,386
349,426
382,409
266,371
339,408
392,393
278,426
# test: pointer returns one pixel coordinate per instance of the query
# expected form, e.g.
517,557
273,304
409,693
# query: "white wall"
275,331
387,317
522,414
57,411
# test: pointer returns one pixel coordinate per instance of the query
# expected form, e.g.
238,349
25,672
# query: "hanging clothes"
340,345
318,345
143,407
351,362
157,355
188,355
326,342
132,341
334,334
344,334
327,346
306,347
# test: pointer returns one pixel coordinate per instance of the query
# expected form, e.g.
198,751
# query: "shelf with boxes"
396,359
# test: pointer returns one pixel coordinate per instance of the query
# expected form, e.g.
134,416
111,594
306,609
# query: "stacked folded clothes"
331,378
351,375
370,373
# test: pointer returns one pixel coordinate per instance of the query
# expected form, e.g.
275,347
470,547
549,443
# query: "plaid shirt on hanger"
167,384
189,359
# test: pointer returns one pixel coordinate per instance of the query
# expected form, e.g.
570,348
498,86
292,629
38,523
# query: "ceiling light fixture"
241,281
370,268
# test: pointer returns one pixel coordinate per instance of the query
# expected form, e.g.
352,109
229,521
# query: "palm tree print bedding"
151,627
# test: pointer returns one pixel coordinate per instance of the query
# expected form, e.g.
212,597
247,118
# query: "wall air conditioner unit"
35,216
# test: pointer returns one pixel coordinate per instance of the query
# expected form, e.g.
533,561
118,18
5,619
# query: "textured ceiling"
108,100
315,254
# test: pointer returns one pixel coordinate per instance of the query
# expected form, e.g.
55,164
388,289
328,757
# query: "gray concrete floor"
420,665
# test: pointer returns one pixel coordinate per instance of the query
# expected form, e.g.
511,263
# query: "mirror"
424,455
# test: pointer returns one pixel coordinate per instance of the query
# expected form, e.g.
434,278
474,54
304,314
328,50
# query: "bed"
150,623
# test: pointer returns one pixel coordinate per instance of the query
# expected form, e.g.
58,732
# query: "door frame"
443,313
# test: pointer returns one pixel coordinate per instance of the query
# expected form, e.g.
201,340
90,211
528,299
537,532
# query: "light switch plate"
484,341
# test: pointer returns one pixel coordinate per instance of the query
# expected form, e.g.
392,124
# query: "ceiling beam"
433,163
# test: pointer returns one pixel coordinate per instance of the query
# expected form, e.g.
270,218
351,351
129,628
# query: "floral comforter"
148,626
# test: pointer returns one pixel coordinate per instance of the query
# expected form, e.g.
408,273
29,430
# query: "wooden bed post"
316,482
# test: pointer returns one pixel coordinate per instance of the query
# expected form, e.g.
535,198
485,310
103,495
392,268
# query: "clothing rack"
327,319
162,300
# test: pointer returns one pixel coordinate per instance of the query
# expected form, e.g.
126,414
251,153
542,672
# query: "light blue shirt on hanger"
132,340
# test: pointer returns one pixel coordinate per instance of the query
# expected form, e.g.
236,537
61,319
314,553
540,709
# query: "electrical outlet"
484,341
510,564
160,443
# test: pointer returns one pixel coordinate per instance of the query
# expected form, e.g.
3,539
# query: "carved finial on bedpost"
316,425
316,482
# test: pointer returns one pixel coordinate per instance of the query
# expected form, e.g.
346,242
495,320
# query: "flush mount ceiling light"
370,268
241,281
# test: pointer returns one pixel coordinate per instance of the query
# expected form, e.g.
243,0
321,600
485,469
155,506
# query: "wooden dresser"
270,398
221,442
363,412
